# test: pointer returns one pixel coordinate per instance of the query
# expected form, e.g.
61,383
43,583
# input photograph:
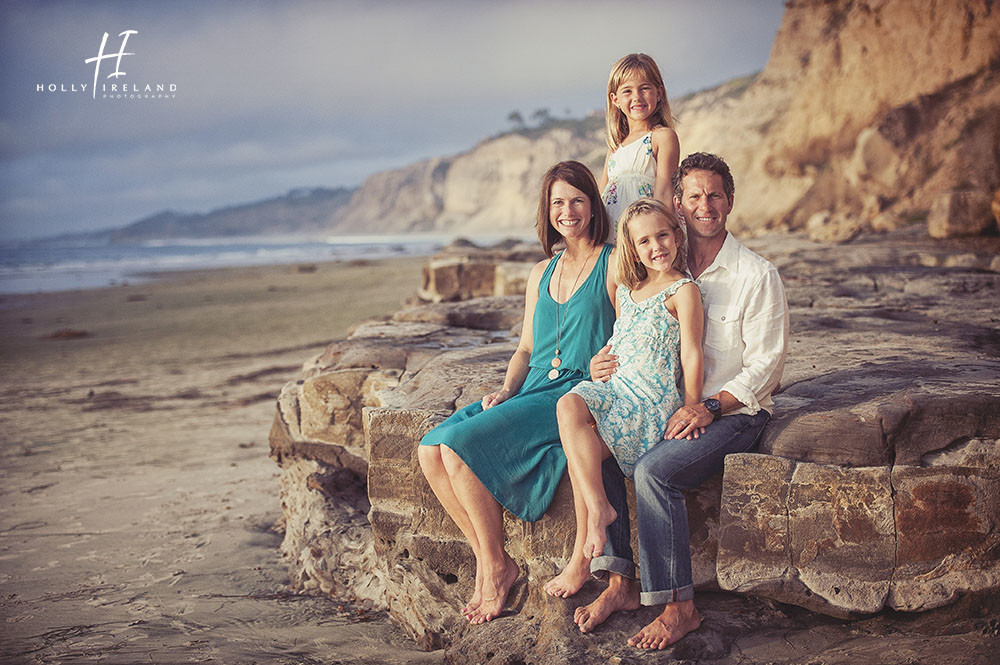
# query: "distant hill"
309,213
305,212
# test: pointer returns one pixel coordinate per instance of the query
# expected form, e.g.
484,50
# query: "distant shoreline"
36,268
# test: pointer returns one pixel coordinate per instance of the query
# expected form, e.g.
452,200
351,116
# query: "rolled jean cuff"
600,566
664,597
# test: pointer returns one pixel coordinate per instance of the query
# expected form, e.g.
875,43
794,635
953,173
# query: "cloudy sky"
271,96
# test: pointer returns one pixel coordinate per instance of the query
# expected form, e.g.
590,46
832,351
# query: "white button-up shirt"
746,327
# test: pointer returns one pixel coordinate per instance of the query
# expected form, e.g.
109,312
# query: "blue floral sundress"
631,410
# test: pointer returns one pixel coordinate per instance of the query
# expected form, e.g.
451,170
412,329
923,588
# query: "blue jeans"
661,515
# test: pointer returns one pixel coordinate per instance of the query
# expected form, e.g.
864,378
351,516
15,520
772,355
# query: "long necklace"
556,360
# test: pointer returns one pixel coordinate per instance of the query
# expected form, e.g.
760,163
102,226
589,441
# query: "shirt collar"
728,257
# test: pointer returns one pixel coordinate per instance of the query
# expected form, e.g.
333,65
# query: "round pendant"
553,374
556,362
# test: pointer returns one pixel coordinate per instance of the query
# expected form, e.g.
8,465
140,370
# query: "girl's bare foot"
597,524
676,621
477,595
621,594
496,586
572,577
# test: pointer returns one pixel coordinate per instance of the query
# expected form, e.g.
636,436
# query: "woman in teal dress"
505,449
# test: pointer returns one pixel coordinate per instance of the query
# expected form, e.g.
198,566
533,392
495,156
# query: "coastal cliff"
868,115
491,188
878,109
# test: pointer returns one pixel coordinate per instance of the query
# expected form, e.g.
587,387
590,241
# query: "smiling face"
636,96
569,210
655,240
704,204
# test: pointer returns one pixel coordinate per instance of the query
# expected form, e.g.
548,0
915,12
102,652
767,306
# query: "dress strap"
543,284
622,294
601,268
672,289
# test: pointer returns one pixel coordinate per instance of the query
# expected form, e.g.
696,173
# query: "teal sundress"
513,448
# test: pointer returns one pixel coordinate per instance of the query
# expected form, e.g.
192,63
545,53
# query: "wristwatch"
714,407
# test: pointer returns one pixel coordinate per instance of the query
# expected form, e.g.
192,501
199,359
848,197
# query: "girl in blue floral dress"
642,146
657,338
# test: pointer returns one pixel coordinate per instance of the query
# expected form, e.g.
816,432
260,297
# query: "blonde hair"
631,272
615,121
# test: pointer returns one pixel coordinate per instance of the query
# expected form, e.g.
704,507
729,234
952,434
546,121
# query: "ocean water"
37,267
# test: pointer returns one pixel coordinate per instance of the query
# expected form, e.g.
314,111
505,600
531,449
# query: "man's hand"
688,422
495,398
603,365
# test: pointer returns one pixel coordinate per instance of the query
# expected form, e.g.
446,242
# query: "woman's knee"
430,460
452,463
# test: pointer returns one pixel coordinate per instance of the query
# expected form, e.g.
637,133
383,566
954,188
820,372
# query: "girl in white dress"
657,338
643,148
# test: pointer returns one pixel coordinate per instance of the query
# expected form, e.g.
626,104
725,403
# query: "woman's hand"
603,365
493,399
688,422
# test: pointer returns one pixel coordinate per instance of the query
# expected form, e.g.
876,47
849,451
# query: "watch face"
713,405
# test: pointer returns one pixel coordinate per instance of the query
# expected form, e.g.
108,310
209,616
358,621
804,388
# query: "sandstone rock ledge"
877,485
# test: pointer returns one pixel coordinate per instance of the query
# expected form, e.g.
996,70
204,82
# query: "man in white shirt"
746,333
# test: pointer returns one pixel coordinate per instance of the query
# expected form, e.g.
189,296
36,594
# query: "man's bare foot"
676,621
495,589
572,577
621,594
597,524
477,595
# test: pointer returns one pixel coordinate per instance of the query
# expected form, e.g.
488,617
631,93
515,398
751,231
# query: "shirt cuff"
744,395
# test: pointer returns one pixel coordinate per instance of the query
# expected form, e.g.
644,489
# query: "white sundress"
631,175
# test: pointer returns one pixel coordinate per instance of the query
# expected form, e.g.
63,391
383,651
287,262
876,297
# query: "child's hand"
495,398
603,365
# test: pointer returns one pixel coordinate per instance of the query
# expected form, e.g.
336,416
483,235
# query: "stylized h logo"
100,56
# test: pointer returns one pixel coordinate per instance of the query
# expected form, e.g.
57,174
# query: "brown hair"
615,121
579,176
631,272
704,161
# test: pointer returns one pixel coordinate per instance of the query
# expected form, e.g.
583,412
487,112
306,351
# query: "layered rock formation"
876,485
869,115
889,106
491,188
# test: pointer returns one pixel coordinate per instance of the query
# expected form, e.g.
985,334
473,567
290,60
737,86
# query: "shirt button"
723,318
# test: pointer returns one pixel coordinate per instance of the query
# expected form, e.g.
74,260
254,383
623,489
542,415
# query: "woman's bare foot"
572,577
621,594
495,589
597,524
477,595
676,621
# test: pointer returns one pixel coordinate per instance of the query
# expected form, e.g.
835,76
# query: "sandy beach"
140,508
